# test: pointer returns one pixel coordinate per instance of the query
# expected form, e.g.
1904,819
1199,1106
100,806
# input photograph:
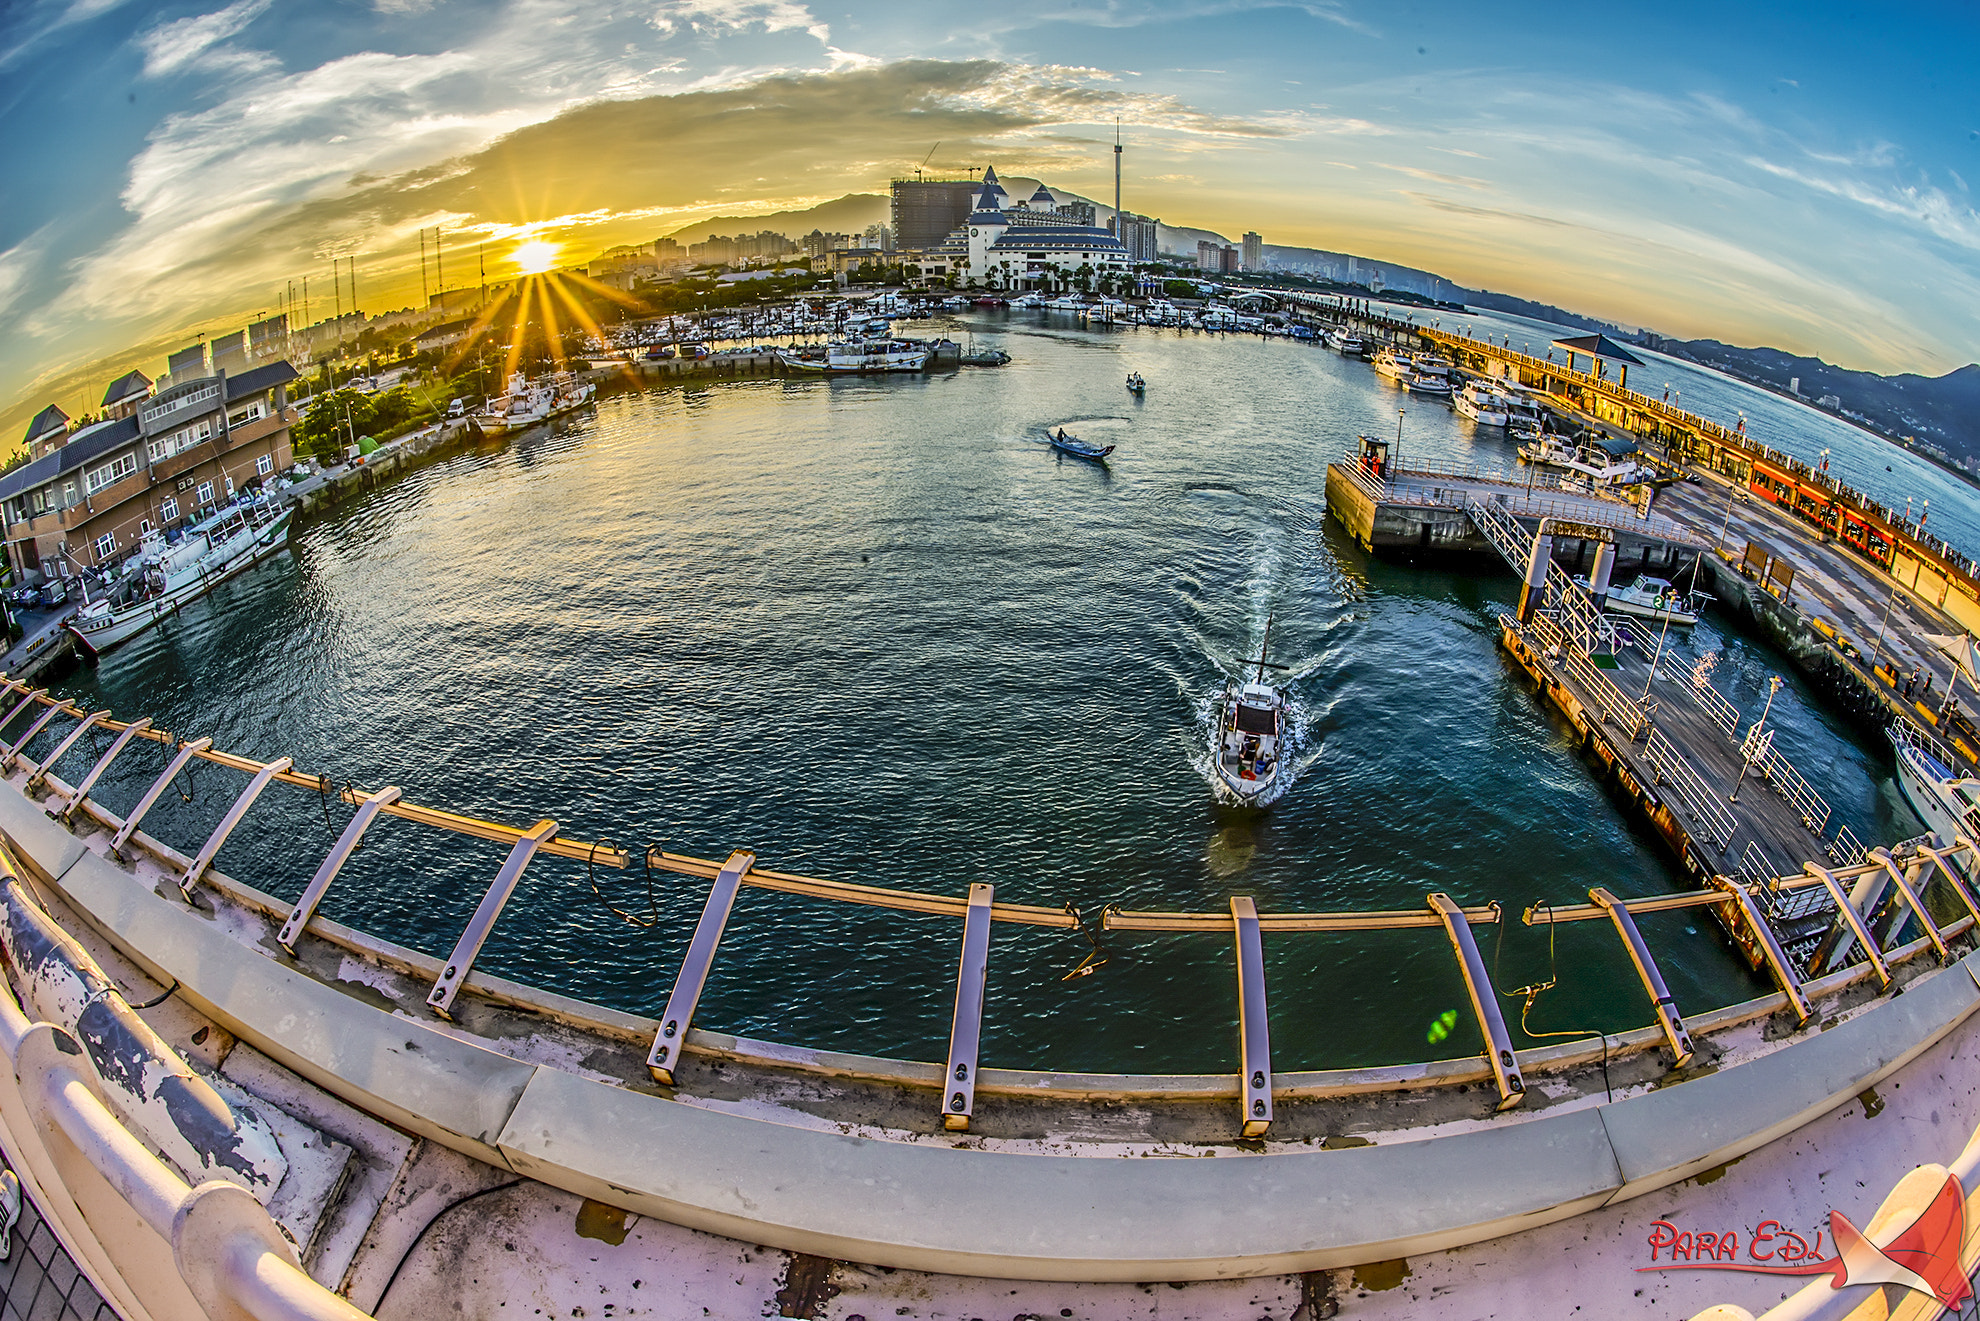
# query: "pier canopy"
1599,347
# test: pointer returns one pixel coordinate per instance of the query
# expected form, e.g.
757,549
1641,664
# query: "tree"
333,421
1083,277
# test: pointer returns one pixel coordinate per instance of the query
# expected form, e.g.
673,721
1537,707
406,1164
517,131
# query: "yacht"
528,402
856,357
1483,405
1524,419
1250,738
1395,363
167,576
1345,340
1946,801
1429,375
1588,467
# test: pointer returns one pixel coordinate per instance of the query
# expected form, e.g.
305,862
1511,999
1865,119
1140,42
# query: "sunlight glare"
535,256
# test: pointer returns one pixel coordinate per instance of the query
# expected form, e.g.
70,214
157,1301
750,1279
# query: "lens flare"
535,256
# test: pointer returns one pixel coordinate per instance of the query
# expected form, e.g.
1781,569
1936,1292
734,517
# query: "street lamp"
1732,494
1399,422
1756,743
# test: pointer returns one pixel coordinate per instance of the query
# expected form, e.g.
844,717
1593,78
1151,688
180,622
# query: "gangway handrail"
1118,919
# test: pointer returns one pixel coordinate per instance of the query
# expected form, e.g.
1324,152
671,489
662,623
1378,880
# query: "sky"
1796,176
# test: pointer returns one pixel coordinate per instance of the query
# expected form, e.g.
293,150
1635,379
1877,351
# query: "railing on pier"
1701,802
978,910
1500,528
1724,714
1773,766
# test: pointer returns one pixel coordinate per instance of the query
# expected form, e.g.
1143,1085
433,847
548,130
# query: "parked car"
54,592
659,352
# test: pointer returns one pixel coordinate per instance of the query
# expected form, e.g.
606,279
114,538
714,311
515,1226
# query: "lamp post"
1732,494
1399,422
1753,737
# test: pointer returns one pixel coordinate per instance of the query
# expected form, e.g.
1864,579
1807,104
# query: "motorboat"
856,357
167,576
1247,749
1587,467
1135,384
1483,405
1429,375
1946,801
527,402
1345,341
1079,449
1395,364
1657,600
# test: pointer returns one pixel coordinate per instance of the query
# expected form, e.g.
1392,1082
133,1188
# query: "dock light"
1758,743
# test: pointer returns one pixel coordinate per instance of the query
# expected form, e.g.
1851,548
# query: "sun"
535,256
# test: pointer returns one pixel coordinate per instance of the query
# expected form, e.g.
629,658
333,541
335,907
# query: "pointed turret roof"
125,387
49,420
1044,195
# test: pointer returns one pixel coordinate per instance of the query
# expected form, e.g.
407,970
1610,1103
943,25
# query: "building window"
68,494
264,465
144,527
122,466
206,493
170,509
106,546
253,412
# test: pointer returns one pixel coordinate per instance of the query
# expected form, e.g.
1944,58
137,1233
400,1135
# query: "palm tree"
1083,277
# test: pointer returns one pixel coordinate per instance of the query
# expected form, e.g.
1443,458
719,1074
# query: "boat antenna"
1263,651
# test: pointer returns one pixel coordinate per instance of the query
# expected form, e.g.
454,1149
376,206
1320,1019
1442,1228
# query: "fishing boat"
1395,364
1135,384
1659,601
1483,405
1946,801
1250,737
1078,448
165,577
528,402
856,357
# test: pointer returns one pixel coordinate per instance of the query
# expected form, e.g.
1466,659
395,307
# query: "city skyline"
1802,187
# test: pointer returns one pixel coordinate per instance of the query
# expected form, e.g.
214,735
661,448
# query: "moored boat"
1395,364
1483,405
528,402
1946,801
856,357
1246,750
1657,600
170,575
1429,375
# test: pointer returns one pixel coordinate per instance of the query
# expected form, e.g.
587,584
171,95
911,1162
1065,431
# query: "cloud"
189,43
31,24
703,16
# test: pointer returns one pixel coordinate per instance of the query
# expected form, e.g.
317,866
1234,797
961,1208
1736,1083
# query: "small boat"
1395,364
529,402
168,576
984,358
1658,601
1588,467
856,357
1250,732
1946,801
1346,341
1136,385
1078,448
1429,375
1483,405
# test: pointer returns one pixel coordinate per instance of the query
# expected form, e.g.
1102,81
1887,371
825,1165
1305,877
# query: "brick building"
155,462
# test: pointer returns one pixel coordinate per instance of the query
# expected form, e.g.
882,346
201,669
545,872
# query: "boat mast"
1264,650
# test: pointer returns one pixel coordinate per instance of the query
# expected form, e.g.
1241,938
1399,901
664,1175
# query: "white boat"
1429,375
529,402
1524,420
168,576
856,357
1588,467
1946,801
1395,363
1658,601
1344,340
1027,300
1483,405
1247,749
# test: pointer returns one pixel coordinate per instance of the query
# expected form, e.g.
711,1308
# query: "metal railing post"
88,781
1661,1002
461,961
966,1027
241,805
1854,921
1254,1026
144,804
665,1056
1952,880
25,702
41,723
83,726
346,845
1911,900
1492,1024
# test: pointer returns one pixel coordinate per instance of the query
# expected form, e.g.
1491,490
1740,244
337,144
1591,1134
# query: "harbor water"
876,630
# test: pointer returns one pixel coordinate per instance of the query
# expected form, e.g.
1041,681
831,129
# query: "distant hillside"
845,215
1942,410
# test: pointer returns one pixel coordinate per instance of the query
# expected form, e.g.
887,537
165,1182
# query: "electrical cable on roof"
652,918
1533,991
